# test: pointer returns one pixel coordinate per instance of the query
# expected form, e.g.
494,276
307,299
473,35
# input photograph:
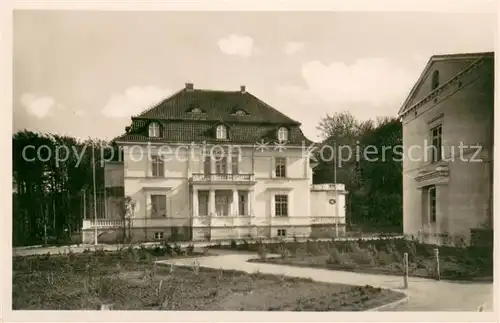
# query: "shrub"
362,257
262,251
335,257
244,245
234,245
177,249
283,251
384,258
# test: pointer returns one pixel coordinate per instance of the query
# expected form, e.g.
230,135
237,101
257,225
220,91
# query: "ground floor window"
281,205
222,205
158,206
281,233
432,204
158,235
241,204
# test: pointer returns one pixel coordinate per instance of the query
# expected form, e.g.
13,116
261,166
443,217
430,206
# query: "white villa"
213,165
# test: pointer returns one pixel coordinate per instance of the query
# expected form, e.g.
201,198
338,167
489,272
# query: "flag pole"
336,194
95,197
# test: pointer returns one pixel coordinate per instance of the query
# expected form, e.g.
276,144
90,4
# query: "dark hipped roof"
179,123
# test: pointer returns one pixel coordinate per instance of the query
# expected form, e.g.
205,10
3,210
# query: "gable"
448,67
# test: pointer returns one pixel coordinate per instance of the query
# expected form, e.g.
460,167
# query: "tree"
374,180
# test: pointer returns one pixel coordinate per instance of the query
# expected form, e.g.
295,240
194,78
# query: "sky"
85,73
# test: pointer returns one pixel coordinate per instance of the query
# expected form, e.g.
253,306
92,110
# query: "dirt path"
425,294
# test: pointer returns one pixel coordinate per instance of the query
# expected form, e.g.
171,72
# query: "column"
229,165
249,202
234,205
195,202
211,202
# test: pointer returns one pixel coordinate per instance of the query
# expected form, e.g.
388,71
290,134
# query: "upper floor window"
235,160
221,132
280,166
157,166
196,110
154,130
282,134
221,165
437,144
435,80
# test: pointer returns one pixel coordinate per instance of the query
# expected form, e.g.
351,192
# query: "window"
240,113
432,204
158,235
281,205
196,110
435,80
221,132
235,164
158,206
436,137
280,166
281,233
221,165
222,205
241,204
154,130
157,166
202,203
282,134
207,165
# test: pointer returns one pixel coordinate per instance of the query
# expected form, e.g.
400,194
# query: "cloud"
79,112
292,48
38,106
236,45
372,80
133,101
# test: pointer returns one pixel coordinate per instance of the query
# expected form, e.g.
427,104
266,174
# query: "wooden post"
436,255
405,263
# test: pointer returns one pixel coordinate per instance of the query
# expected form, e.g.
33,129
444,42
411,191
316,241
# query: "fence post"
436,255
405,263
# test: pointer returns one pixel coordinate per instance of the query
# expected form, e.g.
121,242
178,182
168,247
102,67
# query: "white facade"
205,201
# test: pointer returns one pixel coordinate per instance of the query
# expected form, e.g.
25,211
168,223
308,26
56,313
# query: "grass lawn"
381,256
129,280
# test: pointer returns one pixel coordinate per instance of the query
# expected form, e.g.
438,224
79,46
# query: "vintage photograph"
314,161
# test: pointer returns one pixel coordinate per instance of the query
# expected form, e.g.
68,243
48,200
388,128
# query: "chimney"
242,89
189,86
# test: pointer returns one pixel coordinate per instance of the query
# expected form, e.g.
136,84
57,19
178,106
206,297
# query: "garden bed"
382,257
130,280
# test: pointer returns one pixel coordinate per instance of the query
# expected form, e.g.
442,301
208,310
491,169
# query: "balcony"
436,174
214,178
102,224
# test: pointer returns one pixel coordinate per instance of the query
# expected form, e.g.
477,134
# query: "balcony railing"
214,177
102,223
